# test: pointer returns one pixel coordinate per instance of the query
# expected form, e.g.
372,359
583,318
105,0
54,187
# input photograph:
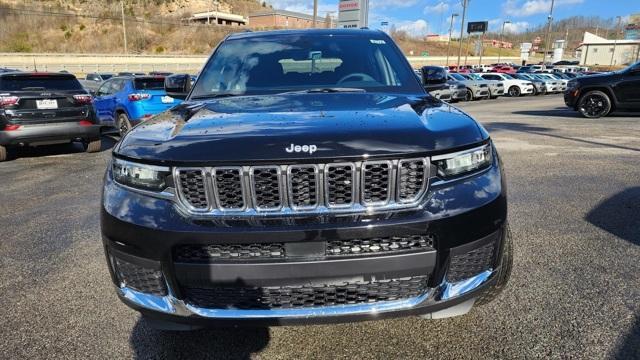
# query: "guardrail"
81,64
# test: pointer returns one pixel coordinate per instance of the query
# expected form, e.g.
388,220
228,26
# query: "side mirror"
178,86
433,75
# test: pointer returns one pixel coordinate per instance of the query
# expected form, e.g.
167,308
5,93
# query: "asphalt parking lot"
574,187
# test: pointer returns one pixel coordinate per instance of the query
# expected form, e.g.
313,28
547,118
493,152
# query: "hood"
342,125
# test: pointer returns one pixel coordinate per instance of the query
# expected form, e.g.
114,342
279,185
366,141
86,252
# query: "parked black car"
298,183
45,108
596,96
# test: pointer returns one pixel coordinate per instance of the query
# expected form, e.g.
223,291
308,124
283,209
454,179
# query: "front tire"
506,264
468,96
93,146
594,104
514,91
124,124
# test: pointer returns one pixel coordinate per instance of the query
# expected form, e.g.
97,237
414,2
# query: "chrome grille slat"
303,185
376,182
228,187
340,184
346,187
192,185
412,178
266,187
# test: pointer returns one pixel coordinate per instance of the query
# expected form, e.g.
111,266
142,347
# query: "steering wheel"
363,76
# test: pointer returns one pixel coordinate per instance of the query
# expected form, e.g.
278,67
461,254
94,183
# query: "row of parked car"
38,108
475,86
510,68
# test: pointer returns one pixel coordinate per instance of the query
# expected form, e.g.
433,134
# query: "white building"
596,50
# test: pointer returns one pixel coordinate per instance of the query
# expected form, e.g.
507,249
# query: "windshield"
39,82
458,77
475,76
156,83
507,76
264,65
106,76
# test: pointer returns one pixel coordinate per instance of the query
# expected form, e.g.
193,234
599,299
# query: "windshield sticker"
378,42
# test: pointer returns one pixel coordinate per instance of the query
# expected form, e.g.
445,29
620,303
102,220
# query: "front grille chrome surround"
344,187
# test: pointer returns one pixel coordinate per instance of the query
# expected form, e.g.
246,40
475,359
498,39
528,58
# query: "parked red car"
504,69
461,70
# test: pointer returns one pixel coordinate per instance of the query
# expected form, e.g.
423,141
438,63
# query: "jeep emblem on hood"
302,148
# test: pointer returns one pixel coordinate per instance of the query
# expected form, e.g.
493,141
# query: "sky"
419,17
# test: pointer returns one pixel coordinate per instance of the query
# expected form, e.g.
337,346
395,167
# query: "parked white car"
483,68
514,87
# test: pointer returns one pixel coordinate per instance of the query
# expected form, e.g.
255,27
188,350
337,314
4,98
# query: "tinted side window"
117,85
105,88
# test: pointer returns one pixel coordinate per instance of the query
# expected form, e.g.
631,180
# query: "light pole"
449,43
615,42
501,37
547,38
315,13
464,14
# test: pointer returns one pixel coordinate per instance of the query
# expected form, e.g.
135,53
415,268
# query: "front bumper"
571,97
145,231
42,134
481,92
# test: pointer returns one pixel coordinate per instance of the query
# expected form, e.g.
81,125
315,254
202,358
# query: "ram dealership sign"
353,14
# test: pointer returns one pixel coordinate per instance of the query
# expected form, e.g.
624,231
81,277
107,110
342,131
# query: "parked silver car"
458,90
496,88
540,87
554,86
475,89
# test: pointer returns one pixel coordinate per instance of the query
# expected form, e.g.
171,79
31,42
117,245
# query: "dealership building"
286,19
596,50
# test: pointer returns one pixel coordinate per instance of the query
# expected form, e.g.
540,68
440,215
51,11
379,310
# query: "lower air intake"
466,265
145,280
291,297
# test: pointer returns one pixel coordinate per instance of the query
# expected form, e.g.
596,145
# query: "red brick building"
497,44
284,19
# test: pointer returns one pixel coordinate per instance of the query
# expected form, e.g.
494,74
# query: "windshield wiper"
325,90
215,96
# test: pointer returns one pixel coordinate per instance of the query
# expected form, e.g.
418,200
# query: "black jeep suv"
45,108
307,178
596,96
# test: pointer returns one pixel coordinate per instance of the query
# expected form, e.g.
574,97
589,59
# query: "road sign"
477,27
353,13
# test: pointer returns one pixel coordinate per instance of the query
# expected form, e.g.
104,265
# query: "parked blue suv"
123,102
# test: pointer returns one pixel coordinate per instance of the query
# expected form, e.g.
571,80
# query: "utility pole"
464,14
466,54
449,42
124,26
481,48
315,13
501,37
615,42
547,38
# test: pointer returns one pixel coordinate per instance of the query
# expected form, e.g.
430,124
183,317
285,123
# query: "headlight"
140,176
464,161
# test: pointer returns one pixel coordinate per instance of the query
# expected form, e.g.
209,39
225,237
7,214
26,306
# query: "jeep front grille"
308,188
